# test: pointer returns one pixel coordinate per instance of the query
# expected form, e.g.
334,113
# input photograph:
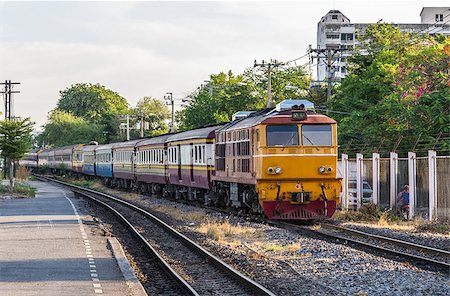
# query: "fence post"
412,173
376,178
344,202
432,185
393,176
359,179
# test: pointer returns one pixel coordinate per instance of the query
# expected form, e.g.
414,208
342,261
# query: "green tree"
91,101
287,84
217,102
153,111
15,141
95,104
64,129
397,90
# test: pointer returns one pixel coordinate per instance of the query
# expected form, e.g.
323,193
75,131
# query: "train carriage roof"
154,140
105,146
65,149
200,133
126,144
89,148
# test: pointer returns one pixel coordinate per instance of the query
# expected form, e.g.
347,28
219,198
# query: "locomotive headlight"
330,169
270,170
278,170
322,169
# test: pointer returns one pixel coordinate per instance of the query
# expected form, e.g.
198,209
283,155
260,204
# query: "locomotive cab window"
316,135
282,135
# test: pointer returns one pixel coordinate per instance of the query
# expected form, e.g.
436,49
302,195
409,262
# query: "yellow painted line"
290,155
188,167
187,142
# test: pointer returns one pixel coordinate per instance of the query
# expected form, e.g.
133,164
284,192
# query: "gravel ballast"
289,263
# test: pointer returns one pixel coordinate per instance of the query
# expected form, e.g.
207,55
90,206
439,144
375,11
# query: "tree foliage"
15,138
153,111
395,91
227,94
63,128
15,141
91,102
217,102
85,112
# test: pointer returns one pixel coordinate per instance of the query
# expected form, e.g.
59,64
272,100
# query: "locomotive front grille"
301,197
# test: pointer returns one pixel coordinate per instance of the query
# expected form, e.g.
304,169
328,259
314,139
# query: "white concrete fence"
433,202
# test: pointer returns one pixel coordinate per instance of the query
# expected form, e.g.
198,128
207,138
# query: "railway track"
191,267
425,256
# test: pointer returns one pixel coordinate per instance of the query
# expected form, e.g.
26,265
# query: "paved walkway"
46,248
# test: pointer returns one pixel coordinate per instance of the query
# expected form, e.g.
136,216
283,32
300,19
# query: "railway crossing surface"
48,248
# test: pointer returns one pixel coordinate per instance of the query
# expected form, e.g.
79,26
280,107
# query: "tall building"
336,38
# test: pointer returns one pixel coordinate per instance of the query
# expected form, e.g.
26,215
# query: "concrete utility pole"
169,98
128,127
327,54
142,124
7,92
270,65
210,87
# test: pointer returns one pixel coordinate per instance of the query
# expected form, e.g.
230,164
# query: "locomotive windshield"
282,135
316,135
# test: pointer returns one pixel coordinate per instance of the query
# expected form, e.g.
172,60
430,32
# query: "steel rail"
415,258
422,248
171,272
242,279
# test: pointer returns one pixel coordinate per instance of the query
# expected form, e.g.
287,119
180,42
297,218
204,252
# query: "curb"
135,287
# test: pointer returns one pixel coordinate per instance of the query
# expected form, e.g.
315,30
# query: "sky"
148,48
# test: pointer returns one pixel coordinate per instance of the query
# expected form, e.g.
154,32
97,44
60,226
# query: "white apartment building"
336,37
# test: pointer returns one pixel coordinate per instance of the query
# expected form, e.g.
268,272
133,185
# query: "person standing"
403,201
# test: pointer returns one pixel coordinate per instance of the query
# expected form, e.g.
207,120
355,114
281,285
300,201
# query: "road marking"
90,257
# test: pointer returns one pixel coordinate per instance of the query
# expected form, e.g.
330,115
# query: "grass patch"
439,226
83,183
20,189
224,231
367,213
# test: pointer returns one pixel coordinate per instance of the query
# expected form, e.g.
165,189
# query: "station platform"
48,246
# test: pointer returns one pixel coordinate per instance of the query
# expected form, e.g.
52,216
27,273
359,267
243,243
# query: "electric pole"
128,127
210,87
7,92
142,124
270,65
327,54
169,98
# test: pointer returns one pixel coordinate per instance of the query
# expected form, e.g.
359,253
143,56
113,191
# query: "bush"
43,169
23,173
368,212
20,189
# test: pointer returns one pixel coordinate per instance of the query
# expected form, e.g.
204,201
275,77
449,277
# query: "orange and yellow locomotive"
281,162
